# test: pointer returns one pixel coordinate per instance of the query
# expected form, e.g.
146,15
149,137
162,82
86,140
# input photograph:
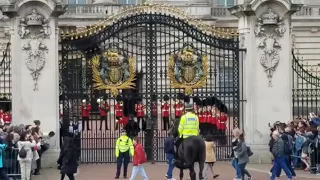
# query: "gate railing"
305,91
5,74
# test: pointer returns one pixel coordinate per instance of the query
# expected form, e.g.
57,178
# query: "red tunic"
1,115
85,110
165,108
214,120
201,117
140,110
221,123
118,109
124,121
178,109
209,117
154,109
104,109
7,118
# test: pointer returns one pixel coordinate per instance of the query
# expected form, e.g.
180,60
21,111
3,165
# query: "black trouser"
38,161
165,123
70,176
85,119
103,118
178,117
77,142
143,123
125,157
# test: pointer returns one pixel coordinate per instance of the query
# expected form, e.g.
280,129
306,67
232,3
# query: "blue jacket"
169,145
2,154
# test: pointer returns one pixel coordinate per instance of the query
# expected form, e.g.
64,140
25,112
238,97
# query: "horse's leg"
201,167
181,174
192,173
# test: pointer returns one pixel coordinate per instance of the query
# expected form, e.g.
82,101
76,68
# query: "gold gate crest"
113,70
188,69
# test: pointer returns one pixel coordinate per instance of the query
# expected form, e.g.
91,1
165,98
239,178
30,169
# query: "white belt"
165,110
221,122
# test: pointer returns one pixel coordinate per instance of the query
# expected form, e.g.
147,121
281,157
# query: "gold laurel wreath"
188,87
114,88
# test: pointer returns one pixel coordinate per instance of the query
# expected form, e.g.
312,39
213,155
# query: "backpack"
287,147
22,153
249,151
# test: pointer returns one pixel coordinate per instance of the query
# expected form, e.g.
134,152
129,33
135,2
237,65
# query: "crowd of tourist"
295,146
22,147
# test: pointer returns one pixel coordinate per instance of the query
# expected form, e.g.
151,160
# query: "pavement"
157,172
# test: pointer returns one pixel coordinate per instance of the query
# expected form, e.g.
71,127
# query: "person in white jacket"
27,142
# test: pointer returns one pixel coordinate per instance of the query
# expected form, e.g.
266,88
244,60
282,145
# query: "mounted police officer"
188,126
124,147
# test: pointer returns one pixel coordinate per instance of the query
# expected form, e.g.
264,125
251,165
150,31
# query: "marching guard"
178,107
118,107
7,118
139,108
104,109
85,113
222,117
165,112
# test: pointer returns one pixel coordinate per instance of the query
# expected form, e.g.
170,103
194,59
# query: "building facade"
234,72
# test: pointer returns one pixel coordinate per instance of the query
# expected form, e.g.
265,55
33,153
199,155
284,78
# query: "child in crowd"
139,158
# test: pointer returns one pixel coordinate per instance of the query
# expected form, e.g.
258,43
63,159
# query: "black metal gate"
306,92
5,79
146,43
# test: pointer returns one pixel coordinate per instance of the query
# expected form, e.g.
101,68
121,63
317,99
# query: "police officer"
188,126
124,147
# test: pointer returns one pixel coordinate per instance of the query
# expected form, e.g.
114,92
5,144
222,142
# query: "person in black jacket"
169,151
68,159
132,128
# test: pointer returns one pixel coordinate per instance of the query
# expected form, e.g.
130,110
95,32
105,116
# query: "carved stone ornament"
35,52
34,28
269,29
34,25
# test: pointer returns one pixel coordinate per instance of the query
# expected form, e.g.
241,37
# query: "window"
133,2
225,3
226,79
77,1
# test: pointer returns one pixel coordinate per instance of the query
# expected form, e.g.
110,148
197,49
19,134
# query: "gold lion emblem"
188,69
113,70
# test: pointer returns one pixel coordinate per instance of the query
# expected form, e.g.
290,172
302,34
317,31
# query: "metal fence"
11,163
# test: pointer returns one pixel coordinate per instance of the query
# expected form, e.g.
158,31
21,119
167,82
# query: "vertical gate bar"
151,84
236,75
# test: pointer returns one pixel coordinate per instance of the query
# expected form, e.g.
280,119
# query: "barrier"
12,164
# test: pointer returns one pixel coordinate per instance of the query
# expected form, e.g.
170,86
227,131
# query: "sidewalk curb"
298,175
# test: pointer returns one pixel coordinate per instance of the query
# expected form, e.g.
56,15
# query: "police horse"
191,150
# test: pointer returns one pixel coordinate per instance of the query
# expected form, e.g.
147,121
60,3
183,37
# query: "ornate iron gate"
143,42
5,78
306,92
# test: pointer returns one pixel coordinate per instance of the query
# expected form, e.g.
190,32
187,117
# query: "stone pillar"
35,70
265,32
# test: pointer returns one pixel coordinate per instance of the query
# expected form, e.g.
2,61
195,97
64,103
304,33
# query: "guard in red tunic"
201,114
139,108
222,118
118,108
104,108
85,113
165,112
7,118
178,108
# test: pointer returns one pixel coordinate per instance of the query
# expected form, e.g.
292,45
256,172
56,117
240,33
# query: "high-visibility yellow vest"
189,125
124,144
